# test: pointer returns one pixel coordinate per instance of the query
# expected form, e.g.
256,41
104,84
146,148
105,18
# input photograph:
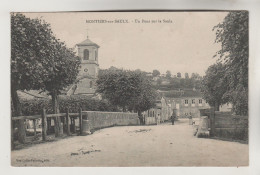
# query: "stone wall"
231,126
98,120
226,125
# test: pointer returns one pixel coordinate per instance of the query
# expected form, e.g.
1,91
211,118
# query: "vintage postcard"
129,89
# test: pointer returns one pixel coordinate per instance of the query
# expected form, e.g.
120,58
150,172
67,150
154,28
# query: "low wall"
231,126
99,120
226,125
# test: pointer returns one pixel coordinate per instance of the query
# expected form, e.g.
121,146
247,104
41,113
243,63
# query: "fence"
97,120
226,125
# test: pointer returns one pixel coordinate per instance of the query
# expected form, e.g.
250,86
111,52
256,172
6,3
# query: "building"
160,113
227,107
186,102
86,80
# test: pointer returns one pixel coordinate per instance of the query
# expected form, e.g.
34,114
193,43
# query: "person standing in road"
173,117
190,119
158,118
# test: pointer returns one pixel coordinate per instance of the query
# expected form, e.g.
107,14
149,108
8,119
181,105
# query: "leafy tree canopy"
168,74
232,33
38,59
214,85
156,73
130,90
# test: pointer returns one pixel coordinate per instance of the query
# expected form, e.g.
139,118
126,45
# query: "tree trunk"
216,106
18,112
48,126
34,128
57,120
140,117
124,109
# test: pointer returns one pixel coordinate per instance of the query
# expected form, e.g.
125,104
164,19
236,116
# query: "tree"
63,71
39,60
156,73
232,33
214,85
159,81
29,44
186,75
178,75
195,76
168,74
130,90
175,82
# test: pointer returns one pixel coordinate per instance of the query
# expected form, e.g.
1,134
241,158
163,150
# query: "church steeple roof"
87,42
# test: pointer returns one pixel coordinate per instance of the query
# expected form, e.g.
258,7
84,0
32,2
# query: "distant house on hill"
156,78
186,102
165,81
163,75
227,107
149,74
113,68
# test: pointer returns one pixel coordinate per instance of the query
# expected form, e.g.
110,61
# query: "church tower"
88,53
86,80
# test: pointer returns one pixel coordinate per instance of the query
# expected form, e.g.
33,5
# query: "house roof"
182,94
32,94
87,42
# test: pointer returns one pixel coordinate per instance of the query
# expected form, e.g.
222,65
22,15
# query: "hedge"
34,107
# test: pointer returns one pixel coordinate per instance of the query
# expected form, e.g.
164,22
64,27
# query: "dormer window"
86,54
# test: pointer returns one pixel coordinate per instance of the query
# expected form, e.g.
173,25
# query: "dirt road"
162,145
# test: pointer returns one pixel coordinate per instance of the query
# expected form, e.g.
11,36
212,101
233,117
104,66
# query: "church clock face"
85,70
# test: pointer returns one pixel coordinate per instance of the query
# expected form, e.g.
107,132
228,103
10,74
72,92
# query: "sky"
181,42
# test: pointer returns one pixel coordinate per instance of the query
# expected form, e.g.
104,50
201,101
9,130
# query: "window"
186,102
90,84
193,101
200,101
86,54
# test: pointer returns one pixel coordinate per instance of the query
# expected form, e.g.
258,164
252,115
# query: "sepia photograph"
129,89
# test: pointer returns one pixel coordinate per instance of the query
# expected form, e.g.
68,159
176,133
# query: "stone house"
227,107
187,102
160,113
